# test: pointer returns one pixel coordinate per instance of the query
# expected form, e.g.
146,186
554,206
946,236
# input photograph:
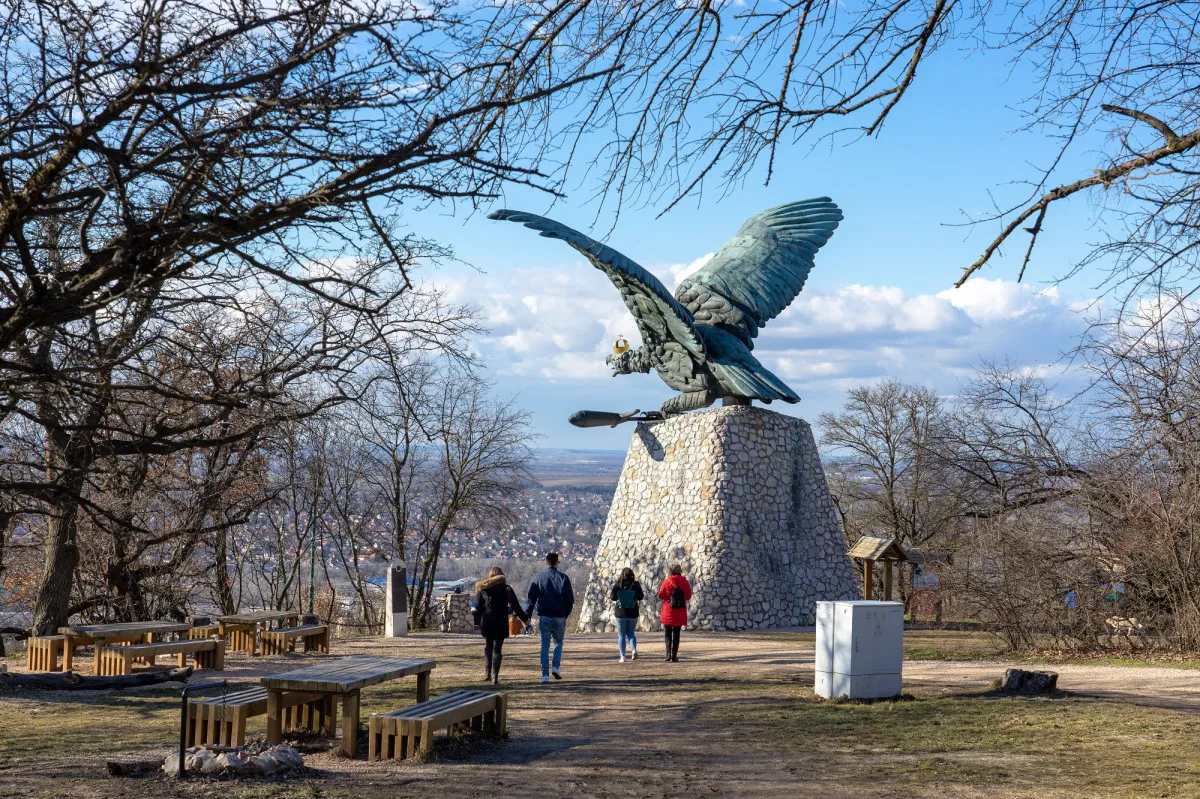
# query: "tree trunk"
222,584
62,557
75,682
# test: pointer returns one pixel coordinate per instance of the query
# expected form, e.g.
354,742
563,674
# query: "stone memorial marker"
395,619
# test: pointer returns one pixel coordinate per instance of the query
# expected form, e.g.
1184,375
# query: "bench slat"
436,704
400,733
166,647
296,632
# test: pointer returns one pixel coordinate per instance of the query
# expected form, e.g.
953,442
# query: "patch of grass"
984,742
41,727
277,791
1102,659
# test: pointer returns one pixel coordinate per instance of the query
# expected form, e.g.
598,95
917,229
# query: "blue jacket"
550,595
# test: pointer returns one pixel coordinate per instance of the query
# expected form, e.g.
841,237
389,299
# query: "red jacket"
674,617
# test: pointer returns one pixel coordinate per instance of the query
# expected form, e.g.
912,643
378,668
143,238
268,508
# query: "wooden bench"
204,631
221,720
402,733
242,637
283,640
43,652
117,659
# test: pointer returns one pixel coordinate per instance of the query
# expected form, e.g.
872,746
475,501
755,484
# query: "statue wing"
660,318
758,272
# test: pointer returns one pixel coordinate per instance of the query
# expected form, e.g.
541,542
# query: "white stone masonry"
737,496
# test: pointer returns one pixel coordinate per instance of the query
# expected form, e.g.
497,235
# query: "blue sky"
878,302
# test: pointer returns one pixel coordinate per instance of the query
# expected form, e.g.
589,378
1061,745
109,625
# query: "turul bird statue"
700,340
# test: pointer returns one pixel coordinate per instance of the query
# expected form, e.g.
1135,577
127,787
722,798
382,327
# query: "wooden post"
97,652
867,578
328,715
350,724
887,580
423,687
274,716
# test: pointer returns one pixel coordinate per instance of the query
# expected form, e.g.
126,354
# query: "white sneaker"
635,654
621,659
557,676
545,678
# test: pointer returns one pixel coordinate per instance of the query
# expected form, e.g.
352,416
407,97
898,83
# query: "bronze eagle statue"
700,340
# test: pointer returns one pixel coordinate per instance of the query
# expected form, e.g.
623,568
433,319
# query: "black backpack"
678,600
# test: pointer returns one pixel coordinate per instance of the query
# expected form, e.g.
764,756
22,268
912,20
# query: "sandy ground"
607,729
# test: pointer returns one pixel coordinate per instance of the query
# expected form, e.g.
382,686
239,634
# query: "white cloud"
679,271
557,324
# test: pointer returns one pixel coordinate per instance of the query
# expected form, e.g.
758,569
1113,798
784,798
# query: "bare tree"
352,516
1148,428
891,479
479,464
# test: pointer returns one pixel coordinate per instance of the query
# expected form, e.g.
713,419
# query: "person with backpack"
493,602
675,593
627,593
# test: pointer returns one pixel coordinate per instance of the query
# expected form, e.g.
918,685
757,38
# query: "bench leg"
191,725
97,655
404,740
328,716
426,736
423,687
274,716
238,728
350,724
215,732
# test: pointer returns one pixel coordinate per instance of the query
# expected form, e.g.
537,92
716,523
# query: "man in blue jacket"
551,596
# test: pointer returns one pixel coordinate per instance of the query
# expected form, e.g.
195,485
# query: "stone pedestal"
456,614
737,496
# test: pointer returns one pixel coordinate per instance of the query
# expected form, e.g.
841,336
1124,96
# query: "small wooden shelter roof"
871,548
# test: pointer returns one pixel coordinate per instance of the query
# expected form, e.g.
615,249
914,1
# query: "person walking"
675,593
494,599
627,593
551,597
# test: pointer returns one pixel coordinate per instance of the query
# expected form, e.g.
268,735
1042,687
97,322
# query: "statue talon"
629,362
688,401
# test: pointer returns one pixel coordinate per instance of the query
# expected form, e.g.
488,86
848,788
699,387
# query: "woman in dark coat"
494,599
675,593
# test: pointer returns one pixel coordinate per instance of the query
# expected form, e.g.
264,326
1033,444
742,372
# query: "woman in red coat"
675,593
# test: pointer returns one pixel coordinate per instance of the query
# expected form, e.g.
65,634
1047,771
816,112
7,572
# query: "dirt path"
638,729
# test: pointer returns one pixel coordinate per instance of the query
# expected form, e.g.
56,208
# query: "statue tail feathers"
751,379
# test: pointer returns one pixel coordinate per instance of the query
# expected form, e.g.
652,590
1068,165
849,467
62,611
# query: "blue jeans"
551,627
627,631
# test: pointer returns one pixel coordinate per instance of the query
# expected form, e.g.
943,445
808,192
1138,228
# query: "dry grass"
1083,745
737,717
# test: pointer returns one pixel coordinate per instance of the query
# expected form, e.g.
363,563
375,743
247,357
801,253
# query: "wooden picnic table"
251,623
123,632
344,678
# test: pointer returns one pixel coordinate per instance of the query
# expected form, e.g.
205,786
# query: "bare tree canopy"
266,135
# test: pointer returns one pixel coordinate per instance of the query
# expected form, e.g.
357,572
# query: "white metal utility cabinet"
860,648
